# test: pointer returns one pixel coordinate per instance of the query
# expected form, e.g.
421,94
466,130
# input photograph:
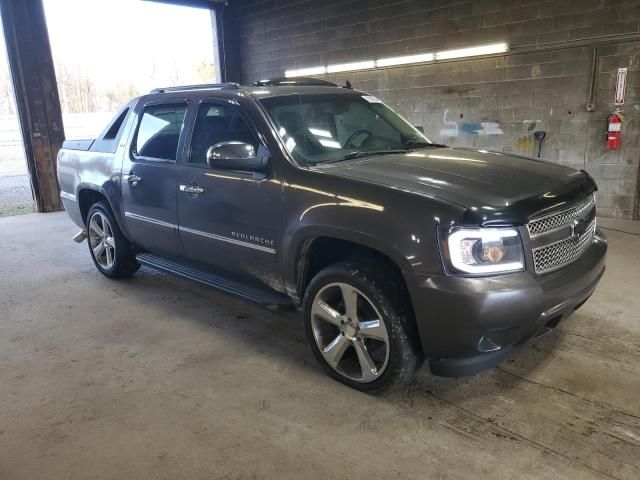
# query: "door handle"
192,188
133,179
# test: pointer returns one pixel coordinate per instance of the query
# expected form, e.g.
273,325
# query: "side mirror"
236,156
420,128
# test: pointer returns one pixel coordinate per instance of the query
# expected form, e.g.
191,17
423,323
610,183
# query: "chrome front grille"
558,254
560,250
556,221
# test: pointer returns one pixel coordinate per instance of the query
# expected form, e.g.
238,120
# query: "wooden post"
35,87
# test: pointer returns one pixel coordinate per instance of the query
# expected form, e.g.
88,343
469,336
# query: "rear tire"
358,327
110,251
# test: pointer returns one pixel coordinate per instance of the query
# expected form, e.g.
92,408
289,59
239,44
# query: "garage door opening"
15,188
106,53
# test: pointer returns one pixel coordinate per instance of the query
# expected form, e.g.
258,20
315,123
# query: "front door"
150,179
229,220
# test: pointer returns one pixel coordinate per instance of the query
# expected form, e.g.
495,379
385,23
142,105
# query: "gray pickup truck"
302,194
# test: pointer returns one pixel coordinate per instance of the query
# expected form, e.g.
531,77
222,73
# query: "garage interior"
157,377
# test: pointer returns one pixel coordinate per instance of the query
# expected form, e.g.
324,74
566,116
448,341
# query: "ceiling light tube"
348,67
473,51
488,49
419,58
301,72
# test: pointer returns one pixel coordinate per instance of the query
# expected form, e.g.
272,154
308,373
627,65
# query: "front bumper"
469,324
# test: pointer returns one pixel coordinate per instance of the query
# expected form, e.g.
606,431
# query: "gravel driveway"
15,195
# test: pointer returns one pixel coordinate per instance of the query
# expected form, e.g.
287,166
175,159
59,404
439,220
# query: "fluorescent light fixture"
488,49
348,67
419,58
473,51
301,72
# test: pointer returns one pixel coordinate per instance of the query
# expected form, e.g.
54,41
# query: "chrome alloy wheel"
101,240
349,332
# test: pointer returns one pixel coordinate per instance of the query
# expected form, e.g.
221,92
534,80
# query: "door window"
215,124
159,132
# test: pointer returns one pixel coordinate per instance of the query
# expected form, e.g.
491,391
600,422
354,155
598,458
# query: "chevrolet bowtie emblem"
578,227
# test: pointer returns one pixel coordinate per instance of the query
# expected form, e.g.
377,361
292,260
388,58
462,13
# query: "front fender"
304,236
398,224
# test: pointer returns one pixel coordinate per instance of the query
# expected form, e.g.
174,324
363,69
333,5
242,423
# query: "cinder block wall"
496,103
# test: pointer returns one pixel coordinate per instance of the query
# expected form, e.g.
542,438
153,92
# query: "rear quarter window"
115,127
107,142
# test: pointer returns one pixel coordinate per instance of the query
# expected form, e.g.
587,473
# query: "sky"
130,41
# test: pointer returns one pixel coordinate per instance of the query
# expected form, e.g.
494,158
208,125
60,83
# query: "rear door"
150,178
232,225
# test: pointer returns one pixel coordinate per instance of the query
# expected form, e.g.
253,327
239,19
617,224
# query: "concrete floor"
156,377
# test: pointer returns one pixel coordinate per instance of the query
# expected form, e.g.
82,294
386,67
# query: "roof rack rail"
204,86
295,82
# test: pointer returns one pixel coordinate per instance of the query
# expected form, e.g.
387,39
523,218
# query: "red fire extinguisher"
614,130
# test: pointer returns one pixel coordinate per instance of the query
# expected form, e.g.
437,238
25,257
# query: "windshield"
331,127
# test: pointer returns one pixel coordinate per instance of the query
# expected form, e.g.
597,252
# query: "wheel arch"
88,195
319,248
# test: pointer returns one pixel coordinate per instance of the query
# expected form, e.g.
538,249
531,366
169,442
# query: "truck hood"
494,187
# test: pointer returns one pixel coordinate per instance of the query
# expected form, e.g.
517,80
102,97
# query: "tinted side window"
215,124
159,131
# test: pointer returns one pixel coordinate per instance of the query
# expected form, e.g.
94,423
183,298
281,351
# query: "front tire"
357,327
111,252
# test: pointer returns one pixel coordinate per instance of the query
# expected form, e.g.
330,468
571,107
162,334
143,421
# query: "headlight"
484,250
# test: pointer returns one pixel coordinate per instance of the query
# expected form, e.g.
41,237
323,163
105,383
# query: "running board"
263,297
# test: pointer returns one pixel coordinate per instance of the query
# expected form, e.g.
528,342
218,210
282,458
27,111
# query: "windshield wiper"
419,144
371,153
